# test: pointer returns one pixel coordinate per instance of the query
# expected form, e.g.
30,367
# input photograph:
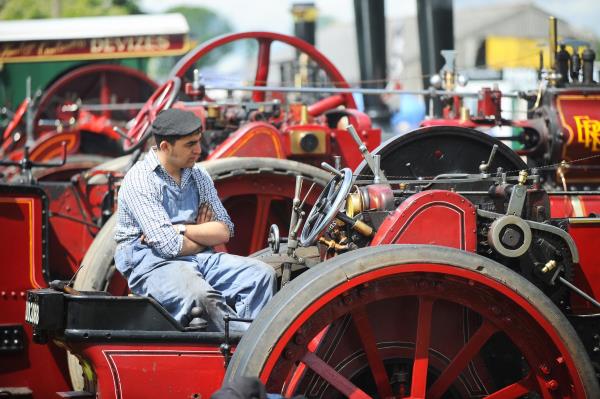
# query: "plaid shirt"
141,209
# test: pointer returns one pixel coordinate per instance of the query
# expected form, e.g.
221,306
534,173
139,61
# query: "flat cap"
175,122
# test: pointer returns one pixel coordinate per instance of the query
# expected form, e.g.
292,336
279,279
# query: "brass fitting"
561,173
363,228
549,266
304,12
304,115
354,204
214,112
523,177
465,114
553,41
332,244
449,80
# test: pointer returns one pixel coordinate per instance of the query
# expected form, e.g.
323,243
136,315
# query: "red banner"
95,48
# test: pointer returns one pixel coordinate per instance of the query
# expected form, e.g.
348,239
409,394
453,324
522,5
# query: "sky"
274,15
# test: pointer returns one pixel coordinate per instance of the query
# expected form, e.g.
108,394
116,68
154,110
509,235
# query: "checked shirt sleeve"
208,194
142,200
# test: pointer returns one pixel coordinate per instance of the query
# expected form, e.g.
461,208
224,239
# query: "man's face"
185,152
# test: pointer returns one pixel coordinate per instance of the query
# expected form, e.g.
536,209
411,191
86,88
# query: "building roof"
93,27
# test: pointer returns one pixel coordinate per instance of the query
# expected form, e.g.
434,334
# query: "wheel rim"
264,40
430,151
161,99
364,340
97,83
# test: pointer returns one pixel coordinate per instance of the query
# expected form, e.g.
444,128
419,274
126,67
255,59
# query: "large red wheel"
414,321
264,41
98,85
166,94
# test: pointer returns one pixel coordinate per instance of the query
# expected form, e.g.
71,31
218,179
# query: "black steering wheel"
327,207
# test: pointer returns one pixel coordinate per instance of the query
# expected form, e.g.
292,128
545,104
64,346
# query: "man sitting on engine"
168,220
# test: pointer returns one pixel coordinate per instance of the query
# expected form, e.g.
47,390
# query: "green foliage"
25,9
37,9
204,25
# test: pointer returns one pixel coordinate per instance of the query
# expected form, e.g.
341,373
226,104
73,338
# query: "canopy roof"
93,27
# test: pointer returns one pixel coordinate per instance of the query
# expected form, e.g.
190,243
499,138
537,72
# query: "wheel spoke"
423,334
318,220
334,378
332,193
262,67
365,332
513,391
259,231
294,379
461,360
319,206
104,94
313,217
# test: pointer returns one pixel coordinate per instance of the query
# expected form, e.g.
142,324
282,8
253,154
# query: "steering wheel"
327,207
265,39
161,99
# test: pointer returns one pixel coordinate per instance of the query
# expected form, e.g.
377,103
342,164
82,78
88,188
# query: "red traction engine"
560,135
443,277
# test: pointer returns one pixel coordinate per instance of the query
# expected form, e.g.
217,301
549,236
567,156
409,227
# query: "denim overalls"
219,283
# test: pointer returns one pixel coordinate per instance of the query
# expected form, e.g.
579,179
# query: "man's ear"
164,146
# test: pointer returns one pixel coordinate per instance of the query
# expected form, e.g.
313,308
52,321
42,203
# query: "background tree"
204,25
36,9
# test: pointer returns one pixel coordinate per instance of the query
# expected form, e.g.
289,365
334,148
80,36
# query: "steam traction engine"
560,135
452,282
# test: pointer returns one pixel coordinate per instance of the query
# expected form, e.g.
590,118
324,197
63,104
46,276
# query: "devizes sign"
103,47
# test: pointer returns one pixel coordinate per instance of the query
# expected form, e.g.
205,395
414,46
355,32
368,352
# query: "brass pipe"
363,228
553,43
331,244
357,225
304,115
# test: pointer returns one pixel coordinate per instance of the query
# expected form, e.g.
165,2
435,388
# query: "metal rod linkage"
579,291
343,90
